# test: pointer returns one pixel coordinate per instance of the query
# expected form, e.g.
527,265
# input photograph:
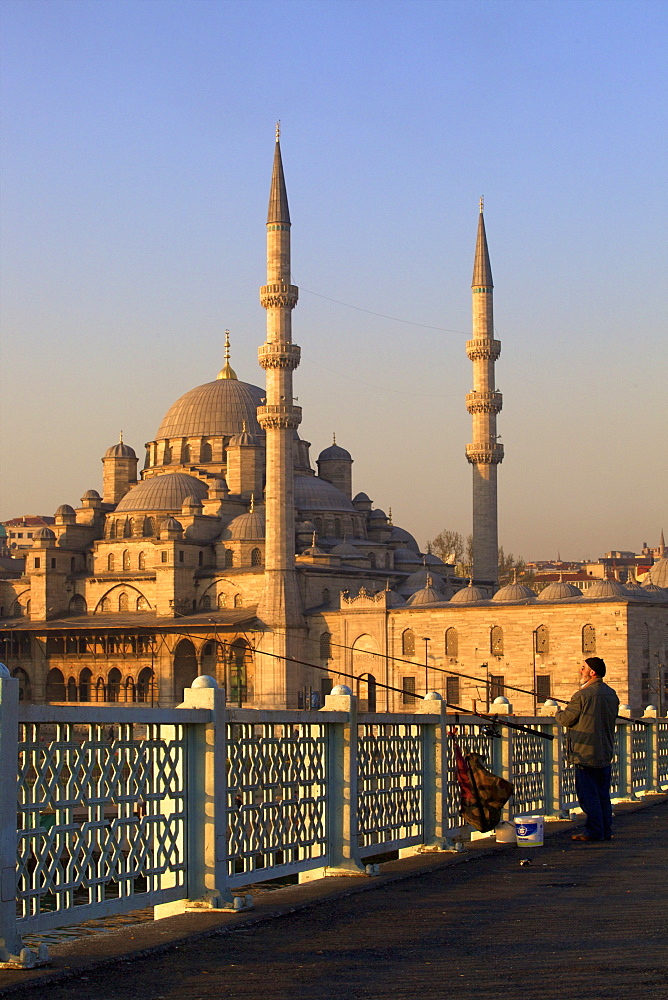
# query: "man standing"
589,718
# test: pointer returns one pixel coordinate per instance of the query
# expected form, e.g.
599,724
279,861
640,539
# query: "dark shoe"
585,838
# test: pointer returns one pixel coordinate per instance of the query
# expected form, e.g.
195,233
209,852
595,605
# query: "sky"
137,142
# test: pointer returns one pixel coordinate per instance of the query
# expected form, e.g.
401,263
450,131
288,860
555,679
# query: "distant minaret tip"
278,130
482,203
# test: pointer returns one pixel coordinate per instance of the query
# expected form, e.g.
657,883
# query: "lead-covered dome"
166,492
248,527
658,574
514,592
558,591
215,409
120,450
468,595
606,588
313,493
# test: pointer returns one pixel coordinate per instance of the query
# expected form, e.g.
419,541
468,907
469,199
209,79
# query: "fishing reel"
492,730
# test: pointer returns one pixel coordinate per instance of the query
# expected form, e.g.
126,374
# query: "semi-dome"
166,492
606,588
558,591
658,574
404,538
655,592
313,493
248,527
120,450
514,592
215,409
468,595
404,558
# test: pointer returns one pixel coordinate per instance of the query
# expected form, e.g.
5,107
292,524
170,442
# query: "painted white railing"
117,808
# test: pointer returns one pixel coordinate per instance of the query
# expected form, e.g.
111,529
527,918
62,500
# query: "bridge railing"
113,809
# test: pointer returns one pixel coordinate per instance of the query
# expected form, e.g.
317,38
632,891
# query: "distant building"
21,530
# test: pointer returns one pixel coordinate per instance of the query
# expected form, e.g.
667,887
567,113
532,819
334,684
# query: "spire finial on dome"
278,130
430,580
120,438
227,371
561,576
243,427
313,538
333,437
482,203
252,503
389,515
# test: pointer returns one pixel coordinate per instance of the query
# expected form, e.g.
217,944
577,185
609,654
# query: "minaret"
484,453
280,606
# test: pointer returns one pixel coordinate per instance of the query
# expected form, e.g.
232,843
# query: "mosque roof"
401,535
514,592
424,578
468,595
655,592
313,493
64,510
247,527
334,453
166,492
559,590
427,595
606,588
215,409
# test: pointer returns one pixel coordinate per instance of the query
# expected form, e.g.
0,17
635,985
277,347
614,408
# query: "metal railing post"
344,858
12,953
435,819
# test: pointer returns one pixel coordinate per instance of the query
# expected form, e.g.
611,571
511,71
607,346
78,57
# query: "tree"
452,547
509,567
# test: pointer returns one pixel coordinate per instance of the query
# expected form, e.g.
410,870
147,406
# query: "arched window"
326,596
78,605
240,673
141,561
366,693
185,667
256,557
496,641
186,454
100,693
55,685
72,692
145,690
126,560
104,607
127,528
130,689
113,684
167,455
205,455
148,527
25,687
452,643
229,558
238,601
337,528
206,603
542,639
222,600
85,678
372,560
123,602
325,646
110,562
142,604
408,643
589,640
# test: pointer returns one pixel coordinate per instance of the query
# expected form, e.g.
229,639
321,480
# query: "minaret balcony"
279,416
279,355
279,295
485,453
482,350
484,402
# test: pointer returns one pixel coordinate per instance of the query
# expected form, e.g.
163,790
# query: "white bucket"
529,831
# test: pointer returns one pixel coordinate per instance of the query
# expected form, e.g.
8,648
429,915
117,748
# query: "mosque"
230,555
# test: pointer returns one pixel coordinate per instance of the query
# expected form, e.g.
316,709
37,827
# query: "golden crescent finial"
252,503
120,440
278,130
482,203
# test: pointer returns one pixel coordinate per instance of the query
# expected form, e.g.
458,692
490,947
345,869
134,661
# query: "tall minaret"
483,404
280,606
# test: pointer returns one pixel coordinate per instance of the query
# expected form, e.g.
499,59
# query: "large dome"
216,409
165,492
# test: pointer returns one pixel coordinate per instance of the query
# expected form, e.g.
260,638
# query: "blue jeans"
592,785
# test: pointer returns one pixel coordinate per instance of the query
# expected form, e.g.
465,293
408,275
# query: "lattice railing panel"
662,750
472,738
101,817
529,770
276,797
640,735
615,773
390,783
567,794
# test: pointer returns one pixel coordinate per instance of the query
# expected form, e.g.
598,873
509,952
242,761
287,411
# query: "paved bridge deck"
588,922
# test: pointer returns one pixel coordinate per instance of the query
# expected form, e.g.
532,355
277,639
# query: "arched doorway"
240,673
146,686
185,668
55,685
85,678
365,665
114,684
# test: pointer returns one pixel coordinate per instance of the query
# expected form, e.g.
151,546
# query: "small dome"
192,501
313,493
558,591
120,450
606,588
428,595
658,574
394,600
248,527
431,560
43,535
244,440
377,515
405,539
655,593
404,557
171,524
166,492
91,495
423,578
514,592
334,454
361,498
65,511
635,589
347,551
468,595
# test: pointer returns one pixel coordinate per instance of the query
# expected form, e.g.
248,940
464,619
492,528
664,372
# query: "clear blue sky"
137,145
